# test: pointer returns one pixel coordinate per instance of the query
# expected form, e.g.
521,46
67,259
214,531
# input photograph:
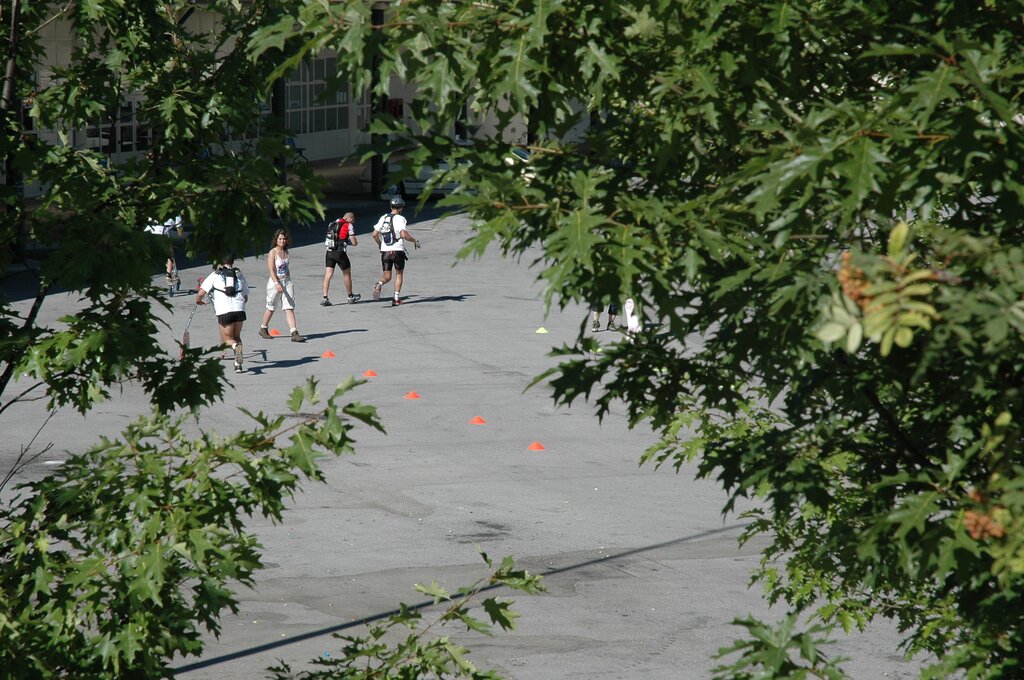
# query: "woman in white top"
227,288
280,292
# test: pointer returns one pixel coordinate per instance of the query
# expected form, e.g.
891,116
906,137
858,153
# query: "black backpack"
331,240
229,275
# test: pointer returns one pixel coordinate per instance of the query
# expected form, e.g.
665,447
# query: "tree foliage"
817,205
119,562
200,102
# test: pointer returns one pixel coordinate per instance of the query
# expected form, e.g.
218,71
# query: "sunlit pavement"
644,575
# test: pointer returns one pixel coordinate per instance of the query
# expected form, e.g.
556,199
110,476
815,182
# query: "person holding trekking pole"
228,289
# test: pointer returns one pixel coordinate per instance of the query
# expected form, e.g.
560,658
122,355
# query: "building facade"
327,126
324,124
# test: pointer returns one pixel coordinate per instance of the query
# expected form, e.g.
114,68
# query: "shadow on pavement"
317,336
206,663
22,283
437,298
281,363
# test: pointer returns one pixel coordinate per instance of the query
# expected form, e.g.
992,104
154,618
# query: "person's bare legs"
398,283
171,271
385,276
348,282
226,335
294,326
328,275
234,340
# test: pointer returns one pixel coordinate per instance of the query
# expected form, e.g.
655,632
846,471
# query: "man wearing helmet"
390,233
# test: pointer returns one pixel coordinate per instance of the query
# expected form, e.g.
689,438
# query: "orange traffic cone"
274,331
369,373
536,446
328,354
477,420
411,395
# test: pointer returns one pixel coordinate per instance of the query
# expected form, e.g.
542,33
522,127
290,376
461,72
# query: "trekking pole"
185,336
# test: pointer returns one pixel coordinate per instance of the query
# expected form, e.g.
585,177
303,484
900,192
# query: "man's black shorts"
337,257
393,258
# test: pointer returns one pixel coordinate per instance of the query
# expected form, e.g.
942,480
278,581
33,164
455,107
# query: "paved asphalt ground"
643,573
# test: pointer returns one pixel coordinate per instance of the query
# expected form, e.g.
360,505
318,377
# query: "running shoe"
396,302
325,302
376,290
297,338
596,326
354,298
238,357
264,333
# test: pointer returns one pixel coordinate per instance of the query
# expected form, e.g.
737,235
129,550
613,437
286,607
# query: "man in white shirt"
172,226
390,233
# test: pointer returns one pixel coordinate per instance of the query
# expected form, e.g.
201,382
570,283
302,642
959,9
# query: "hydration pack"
229,275
387,231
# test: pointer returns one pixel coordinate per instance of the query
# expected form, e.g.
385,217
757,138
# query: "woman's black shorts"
230,318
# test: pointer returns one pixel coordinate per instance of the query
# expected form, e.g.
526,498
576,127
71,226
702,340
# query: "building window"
122,132
310,105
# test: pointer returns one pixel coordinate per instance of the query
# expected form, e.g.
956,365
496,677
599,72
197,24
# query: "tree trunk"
9,105
379,105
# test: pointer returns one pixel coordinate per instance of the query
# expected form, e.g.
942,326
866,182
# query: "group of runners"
227,289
